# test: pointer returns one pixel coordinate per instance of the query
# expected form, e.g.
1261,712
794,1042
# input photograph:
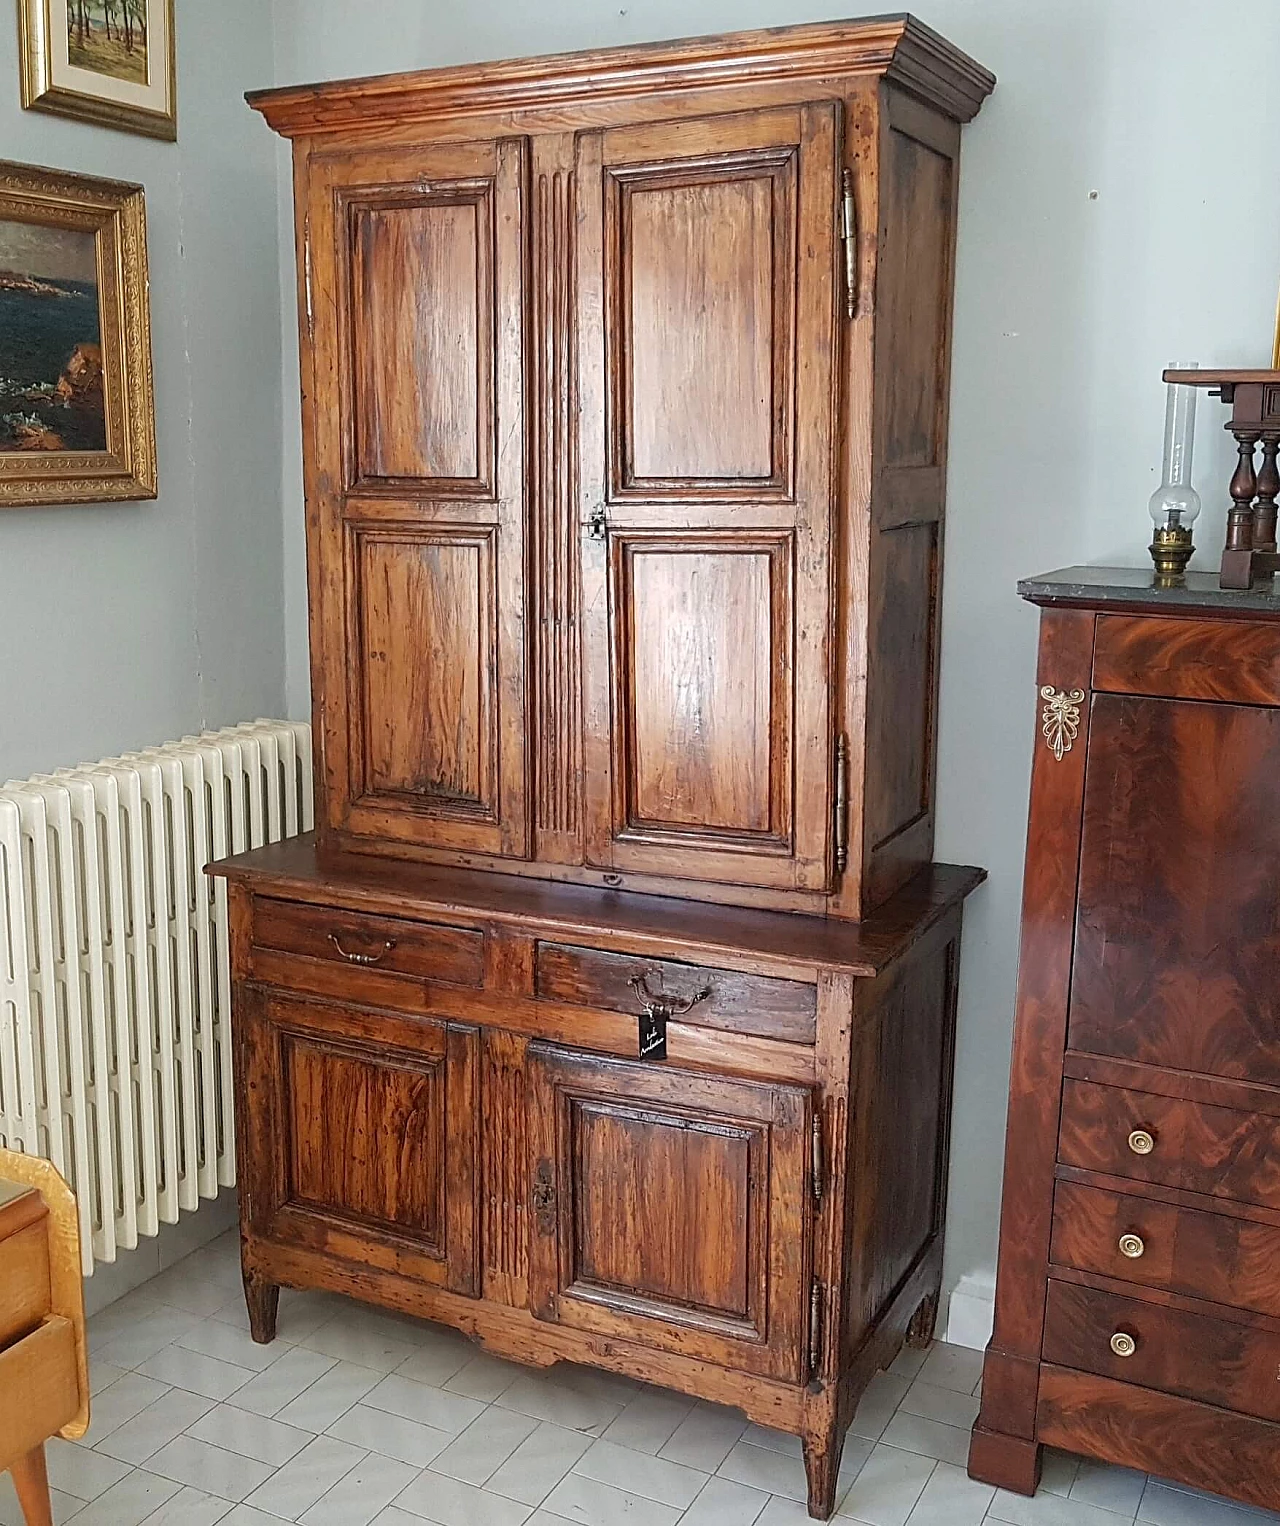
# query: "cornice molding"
897,48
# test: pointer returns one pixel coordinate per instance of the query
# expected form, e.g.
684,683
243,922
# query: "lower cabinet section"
370,1120
671,1208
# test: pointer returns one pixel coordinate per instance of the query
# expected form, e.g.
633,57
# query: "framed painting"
104,61
77,410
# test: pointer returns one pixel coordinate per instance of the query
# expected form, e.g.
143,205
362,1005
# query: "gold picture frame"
77,402
111,63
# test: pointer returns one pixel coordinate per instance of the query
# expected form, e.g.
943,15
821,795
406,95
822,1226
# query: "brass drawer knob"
1131,1246
1123,1344
1142,1142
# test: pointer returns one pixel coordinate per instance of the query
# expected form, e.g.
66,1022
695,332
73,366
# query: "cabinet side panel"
914,280
904,1040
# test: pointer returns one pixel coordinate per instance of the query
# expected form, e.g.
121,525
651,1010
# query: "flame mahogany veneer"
609,1016
1137,1302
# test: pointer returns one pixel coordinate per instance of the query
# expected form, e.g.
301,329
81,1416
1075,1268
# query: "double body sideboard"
609,1013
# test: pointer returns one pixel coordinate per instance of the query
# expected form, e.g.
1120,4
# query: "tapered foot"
822,1469
920,1330
263,1302
1008,1462
31,1481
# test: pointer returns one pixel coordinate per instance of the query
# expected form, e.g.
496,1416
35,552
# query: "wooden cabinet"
609,1014
1136,1305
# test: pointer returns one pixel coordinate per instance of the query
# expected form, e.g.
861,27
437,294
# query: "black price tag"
653,1035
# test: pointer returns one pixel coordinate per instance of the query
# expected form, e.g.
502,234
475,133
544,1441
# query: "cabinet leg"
920,1330
31,1481
1008,1462
822,1469
263,1302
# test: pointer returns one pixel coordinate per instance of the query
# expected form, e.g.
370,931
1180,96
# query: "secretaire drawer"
392,945
1236,661
1190,1145
1203,1255
736,1002
1194,1355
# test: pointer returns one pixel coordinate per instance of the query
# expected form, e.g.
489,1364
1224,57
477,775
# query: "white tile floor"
354,1417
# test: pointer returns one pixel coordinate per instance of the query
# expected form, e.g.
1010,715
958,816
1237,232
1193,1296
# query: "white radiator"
115,989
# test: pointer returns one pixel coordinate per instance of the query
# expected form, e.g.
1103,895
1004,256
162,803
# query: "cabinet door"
414,289
670,1208
706,262
361,1129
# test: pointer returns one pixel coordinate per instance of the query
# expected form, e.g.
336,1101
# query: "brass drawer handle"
1132,1246
1123,1344
362,958
1142,1142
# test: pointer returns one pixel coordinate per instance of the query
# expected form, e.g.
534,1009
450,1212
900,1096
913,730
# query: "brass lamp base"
1171,550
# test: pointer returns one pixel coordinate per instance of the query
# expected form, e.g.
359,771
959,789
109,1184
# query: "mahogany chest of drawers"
1138,1296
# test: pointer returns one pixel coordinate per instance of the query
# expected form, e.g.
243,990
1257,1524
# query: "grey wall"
1110,222
126,625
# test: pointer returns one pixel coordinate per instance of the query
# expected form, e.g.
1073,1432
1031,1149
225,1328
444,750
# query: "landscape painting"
105,61
51,380
109,37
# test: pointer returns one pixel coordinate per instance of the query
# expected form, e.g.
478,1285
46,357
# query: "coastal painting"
77,398
106,61
51,379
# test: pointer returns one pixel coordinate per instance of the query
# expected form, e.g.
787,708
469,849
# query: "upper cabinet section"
624,385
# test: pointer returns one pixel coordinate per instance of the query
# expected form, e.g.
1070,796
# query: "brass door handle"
362,958
1132,1246
659,1004
1123,1344
1142,1142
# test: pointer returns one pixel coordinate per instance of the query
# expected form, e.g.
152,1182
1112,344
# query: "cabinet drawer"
454,955
1232,660
1194,1146
1202,1255
1193,1355
24,1269
737,1003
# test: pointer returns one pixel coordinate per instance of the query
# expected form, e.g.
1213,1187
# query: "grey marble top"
1134,588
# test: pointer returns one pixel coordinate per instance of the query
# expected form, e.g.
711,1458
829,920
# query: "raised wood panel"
629,1167
738,1003
388,1172
428,660
1178,922
901,695
1216,1360
422,324
704,272
704,639
1232,660
670,1208
1202,1255
1220,1151
914,294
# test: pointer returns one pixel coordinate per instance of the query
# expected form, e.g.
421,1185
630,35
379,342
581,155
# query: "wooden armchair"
44,1372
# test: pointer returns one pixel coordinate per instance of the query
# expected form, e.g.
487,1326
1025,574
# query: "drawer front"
1194,1146
24,1279
1231,660
737,1003
454,955
1202,1255
1193,1355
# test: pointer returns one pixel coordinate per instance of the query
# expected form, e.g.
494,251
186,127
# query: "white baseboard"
155,1254
971,1310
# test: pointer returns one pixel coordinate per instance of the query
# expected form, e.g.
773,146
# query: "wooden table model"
44,1376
